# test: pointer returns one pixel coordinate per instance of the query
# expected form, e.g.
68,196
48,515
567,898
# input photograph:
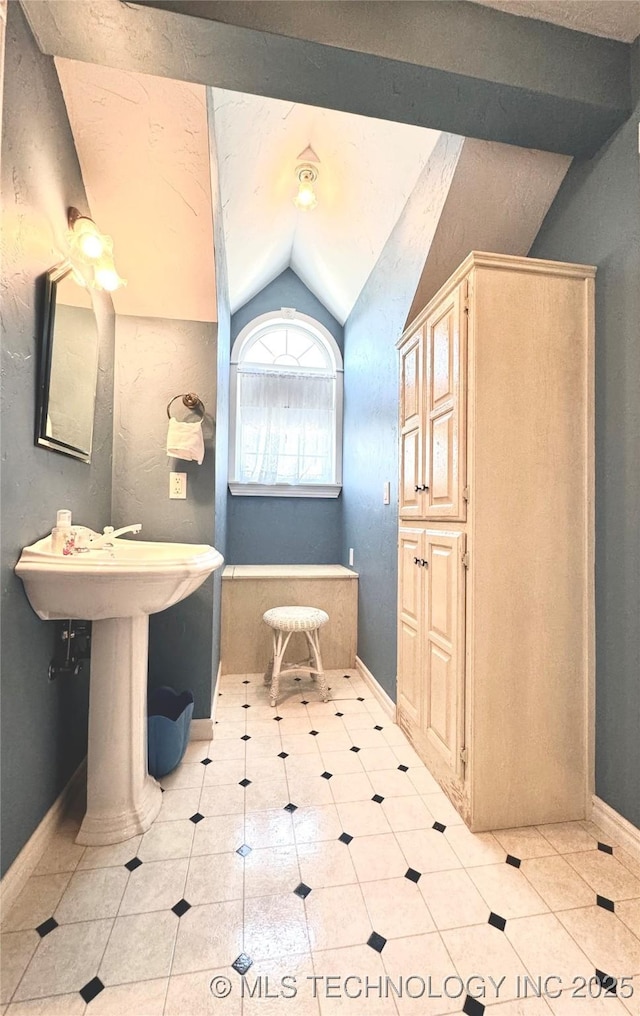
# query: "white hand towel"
185,441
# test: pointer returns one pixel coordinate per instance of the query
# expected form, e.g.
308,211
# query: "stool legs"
280,643
313,638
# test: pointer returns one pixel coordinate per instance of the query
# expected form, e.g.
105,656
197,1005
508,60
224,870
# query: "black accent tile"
355,748
314,733
339,714
246,682
439,827
244,850
606,904
246,706
242,963
291,807
91,989
605,848
162,788
304,702
246,737
302,891
376,941
326,776
345,838
472,1007
496,921
403,769
378,727
134,863
347,677
297,679
360,699
412,875
47,926
181,907
377,798
205,762
196,818
283,754
607,982
515,862
245,783
278,718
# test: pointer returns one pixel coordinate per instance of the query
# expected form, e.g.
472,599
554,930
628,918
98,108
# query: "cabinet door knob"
416,560
425,564
416,488
424,486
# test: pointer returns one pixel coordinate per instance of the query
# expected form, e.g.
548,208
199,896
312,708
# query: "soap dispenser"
62,535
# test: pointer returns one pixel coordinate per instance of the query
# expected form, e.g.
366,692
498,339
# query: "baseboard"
27,860
621,831
387,703
202,730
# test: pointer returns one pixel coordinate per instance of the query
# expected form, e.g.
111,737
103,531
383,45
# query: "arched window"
286,408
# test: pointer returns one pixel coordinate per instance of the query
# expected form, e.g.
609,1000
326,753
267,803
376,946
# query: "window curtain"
286,423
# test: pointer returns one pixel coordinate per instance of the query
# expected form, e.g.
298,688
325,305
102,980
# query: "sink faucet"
110,534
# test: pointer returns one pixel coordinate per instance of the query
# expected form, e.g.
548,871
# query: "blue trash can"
168,721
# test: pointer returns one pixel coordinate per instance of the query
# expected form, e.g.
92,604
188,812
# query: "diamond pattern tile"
446,897
181,907
47,927
242,963
92,989
376,941
497,922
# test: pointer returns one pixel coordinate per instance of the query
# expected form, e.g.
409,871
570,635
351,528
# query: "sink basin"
116,588
131,579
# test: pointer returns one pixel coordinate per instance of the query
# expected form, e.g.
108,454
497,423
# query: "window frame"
285,317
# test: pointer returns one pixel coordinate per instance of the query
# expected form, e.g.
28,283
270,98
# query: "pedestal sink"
116,588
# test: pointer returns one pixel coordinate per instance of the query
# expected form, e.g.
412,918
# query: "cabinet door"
443,645
410,622
444,437
411,427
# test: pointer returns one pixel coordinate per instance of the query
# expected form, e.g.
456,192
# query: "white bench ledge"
293,571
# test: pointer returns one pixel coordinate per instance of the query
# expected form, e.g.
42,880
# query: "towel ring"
191,401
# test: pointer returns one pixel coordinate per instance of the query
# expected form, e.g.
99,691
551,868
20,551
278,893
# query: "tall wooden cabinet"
495,600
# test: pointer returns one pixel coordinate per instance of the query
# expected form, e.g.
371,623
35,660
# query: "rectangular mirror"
68,366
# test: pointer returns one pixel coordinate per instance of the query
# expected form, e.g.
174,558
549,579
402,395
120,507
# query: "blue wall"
595,219
284,530
371,412
44,725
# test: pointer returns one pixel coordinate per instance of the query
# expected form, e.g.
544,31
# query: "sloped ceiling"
367,170
612,19
143,147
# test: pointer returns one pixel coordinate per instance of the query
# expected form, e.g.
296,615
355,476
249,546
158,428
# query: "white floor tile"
16,949
607,942
37,902
405,813
281,978
192,995
186,775
321,822
54,1005
218,835
214,878
506,891
557,882
485,950
179,804
140,948
362,818
345,972
351,787
453,900
62,853
377,857
269,828
397,908
568,837
605,874
525,842
155,885
166,840
146,997
65,960
113,856
228,800
325,864
545,947
91,895
208,936
337,917
427,850
422,963
271,870
275,926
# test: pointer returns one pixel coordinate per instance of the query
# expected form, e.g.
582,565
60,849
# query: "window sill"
285,489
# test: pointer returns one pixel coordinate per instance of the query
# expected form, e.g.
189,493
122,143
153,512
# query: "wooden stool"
285,621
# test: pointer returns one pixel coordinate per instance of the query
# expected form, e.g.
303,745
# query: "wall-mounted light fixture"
306,175
91,254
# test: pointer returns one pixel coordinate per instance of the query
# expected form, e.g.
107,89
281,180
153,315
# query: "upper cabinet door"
445,408
411,427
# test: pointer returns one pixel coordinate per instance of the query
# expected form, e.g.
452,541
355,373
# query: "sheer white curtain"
286,422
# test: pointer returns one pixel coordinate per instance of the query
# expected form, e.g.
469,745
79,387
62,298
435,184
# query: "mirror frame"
54,276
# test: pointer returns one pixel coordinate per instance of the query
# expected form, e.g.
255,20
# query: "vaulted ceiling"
144,146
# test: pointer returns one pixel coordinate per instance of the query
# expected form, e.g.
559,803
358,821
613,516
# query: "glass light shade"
306,197
106,275
87,241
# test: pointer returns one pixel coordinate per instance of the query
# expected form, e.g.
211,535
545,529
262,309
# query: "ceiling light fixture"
306,198
92,253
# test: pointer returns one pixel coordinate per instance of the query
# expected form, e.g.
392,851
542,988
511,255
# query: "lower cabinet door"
410,623
443,645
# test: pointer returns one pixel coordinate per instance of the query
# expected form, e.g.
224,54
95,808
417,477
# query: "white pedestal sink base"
122,799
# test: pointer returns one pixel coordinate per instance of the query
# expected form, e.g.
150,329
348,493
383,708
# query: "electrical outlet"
178,485
351,557
386,493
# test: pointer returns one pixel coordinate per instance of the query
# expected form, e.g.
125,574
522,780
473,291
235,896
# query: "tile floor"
309,847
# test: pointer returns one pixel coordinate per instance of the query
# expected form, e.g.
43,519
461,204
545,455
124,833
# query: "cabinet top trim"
483,259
